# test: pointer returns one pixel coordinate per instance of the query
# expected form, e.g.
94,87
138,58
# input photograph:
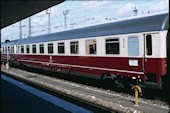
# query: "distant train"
127,51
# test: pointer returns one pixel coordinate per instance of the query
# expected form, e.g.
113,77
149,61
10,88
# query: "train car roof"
143,24
12,42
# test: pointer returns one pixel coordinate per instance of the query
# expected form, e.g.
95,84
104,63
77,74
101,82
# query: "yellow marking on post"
137,90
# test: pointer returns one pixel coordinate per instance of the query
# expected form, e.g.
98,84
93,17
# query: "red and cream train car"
129,49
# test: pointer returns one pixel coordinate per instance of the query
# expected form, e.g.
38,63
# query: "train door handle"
146,59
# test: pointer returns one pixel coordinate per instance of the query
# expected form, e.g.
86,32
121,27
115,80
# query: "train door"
151,51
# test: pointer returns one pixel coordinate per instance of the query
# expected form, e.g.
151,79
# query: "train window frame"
133,45
41,48
74,47
27,48
18,49
12,49
50,48
91,46
61,48
149,45
9,49
34,48
3,50
22,49
115,41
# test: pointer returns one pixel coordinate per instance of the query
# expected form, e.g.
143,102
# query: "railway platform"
105,99
21,98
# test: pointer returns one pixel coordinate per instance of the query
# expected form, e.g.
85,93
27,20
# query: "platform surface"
17,97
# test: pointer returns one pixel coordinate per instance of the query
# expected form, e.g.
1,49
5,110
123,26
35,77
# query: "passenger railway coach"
125,51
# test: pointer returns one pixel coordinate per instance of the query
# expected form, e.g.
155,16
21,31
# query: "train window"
133,46
5,49
2,50
22,49
112,46
18,49
41,48
74,47
91,46
12,49
149,44
28,48
61,48
33,48
50,48
9,50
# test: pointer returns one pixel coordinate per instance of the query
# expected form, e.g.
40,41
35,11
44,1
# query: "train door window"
112,46
50,48
149,44
33,48
74,47
41,48
61,48
22,49
133,46
28,48
91,46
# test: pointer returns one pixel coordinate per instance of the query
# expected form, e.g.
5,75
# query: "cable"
79,19
40,25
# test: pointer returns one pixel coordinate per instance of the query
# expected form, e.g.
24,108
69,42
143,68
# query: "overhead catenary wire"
78,15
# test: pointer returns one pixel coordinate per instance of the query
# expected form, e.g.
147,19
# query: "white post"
7,62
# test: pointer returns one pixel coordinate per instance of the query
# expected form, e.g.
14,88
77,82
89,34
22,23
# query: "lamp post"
7,62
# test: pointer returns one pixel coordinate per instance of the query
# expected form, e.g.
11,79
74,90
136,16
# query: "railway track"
91,92
156,96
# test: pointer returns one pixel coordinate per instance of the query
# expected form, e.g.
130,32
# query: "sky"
81,14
